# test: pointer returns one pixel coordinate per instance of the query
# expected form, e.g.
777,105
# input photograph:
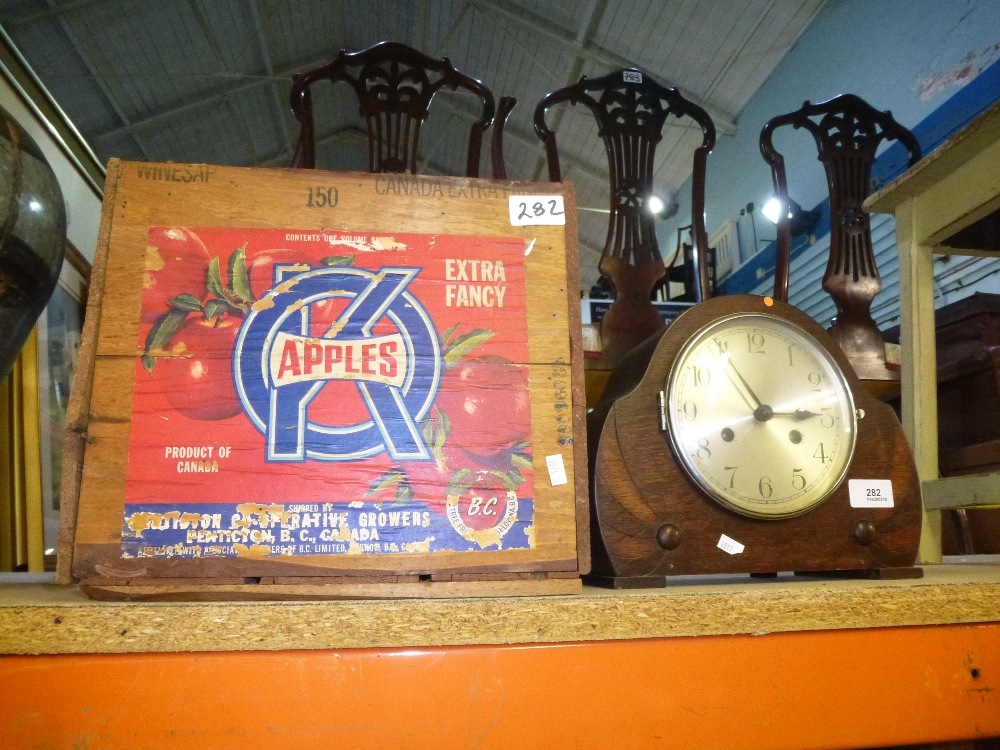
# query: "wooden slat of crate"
347,587
100,412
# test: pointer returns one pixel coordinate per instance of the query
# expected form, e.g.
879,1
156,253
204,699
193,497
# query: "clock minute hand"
756,401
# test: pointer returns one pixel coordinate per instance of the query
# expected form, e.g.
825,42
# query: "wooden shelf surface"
44,618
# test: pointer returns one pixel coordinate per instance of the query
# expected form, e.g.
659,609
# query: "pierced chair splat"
631,109
848,131
395,85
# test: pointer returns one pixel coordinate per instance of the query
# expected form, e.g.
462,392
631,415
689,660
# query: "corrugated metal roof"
200,81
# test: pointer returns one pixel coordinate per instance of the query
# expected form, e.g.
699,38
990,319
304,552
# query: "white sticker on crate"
557,471
536,210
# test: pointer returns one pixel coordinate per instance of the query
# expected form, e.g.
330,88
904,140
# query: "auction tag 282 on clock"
870,493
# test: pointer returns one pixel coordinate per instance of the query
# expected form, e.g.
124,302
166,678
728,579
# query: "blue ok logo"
278,367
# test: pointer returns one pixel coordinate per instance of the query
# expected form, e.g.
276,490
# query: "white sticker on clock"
557,471
870,493
730,545
536,210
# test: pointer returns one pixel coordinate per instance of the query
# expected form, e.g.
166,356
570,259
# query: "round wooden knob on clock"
864,531
668,536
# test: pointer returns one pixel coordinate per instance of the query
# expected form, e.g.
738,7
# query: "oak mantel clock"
741,441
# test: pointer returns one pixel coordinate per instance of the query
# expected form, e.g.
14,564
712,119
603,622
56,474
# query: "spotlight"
772,210
800,221
660,208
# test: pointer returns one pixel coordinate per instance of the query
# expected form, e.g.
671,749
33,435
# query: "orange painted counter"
783,663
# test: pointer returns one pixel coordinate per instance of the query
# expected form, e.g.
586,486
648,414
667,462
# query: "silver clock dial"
760,416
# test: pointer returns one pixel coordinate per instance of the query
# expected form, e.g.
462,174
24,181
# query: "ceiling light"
800,221
661,208
772,209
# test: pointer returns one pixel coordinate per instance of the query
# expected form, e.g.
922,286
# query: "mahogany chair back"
631,109
848,131
395,85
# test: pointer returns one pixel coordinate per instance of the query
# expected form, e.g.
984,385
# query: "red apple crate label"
304,393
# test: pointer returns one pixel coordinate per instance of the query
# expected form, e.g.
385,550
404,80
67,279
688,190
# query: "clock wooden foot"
880,574
626,582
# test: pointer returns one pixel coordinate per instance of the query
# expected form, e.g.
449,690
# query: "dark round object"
864,531
668,536
32,236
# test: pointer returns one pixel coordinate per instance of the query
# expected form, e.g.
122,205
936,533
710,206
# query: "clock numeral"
703,451
826,419
732,475
723,345
689,411
798,481
820,453
764,487
701,375
814,380
791,361
755,343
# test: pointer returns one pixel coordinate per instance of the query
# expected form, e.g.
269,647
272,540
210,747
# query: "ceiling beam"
725,123
91,67
264,49
283,76
422,25
198,10
54,11
588,22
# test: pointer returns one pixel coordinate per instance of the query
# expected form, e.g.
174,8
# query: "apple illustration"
176,262
195,373
487,404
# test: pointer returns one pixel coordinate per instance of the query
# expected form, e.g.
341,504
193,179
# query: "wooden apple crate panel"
297,383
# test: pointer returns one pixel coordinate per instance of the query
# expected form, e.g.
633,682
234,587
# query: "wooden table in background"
946,203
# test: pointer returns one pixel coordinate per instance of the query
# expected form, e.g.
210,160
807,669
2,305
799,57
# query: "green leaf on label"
521,446
160,334
464,344
187,302
460,481
444,427
338,260
508,482
215,279
427,430
239,281
214,308
404,492
520,461
448,334
391,477
516,476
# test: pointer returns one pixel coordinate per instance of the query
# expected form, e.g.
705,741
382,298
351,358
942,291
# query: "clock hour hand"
799,414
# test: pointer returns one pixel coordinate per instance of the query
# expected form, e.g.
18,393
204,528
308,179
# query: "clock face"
760,416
